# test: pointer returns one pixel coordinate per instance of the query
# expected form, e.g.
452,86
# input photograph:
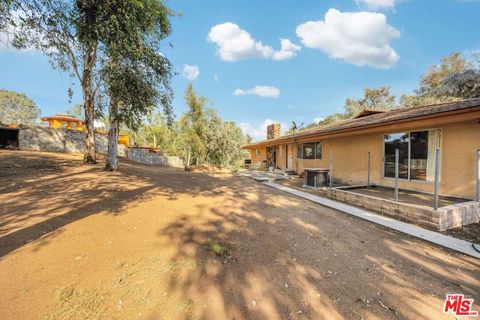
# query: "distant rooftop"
61,117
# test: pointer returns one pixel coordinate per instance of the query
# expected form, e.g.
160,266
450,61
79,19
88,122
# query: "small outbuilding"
64,121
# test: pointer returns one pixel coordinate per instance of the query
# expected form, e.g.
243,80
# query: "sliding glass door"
392,142
416,154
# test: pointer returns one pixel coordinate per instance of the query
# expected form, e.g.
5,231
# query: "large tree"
223,141
136,74
193,125
17,108
67,32
464,84
377,99
432,85
432,80
199,136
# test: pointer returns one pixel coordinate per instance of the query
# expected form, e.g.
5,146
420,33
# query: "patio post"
478,175
437,178
331,169
397,156
368,170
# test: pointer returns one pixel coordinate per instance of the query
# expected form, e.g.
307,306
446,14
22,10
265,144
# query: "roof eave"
316,133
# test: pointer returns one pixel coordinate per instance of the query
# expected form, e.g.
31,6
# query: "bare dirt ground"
469,233
80,243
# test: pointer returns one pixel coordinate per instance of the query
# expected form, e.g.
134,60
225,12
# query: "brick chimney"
273,131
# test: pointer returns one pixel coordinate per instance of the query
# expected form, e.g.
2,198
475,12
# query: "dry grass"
73,303
220,248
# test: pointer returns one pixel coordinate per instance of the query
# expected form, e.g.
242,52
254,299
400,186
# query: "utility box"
315,177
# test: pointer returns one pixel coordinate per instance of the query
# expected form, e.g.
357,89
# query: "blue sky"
233,53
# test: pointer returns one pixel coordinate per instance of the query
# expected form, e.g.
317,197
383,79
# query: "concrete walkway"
459,245
265,176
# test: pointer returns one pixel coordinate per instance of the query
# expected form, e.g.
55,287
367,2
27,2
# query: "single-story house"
417,132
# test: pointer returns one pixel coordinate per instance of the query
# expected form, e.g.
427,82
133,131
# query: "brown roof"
62,117
384,118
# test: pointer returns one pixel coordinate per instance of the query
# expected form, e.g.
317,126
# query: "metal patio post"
368,170
437,178
397,156
331,169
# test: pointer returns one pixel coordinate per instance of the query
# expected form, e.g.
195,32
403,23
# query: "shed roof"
62,117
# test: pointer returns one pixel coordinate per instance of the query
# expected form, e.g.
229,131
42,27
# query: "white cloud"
378,4
260,133
261,91
191,72
234,43
288,50
318,119
360,38
215,77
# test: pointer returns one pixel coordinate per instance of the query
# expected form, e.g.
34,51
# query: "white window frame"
409,155
315,143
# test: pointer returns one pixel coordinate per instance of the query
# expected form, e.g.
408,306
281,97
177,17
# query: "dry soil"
77,242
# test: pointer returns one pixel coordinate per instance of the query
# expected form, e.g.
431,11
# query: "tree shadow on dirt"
291,259
37,204
295,260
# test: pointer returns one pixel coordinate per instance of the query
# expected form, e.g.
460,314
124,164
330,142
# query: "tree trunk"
89,106
113,127
188,157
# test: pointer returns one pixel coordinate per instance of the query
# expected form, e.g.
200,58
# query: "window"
416,154
318,150
392,142
311,150
257,153
308,151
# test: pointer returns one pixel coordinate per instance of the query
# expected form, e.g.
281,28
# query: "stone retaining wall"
60,140
39,138
459,214
153,158
449,217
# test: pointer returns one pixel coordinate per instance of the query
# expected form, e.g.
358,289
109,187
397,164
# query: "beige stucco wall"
281,163
459,144
262,157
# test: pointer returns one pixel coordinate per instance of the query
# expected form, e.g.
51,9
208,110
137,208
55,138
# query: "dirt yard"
470,233
77,242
